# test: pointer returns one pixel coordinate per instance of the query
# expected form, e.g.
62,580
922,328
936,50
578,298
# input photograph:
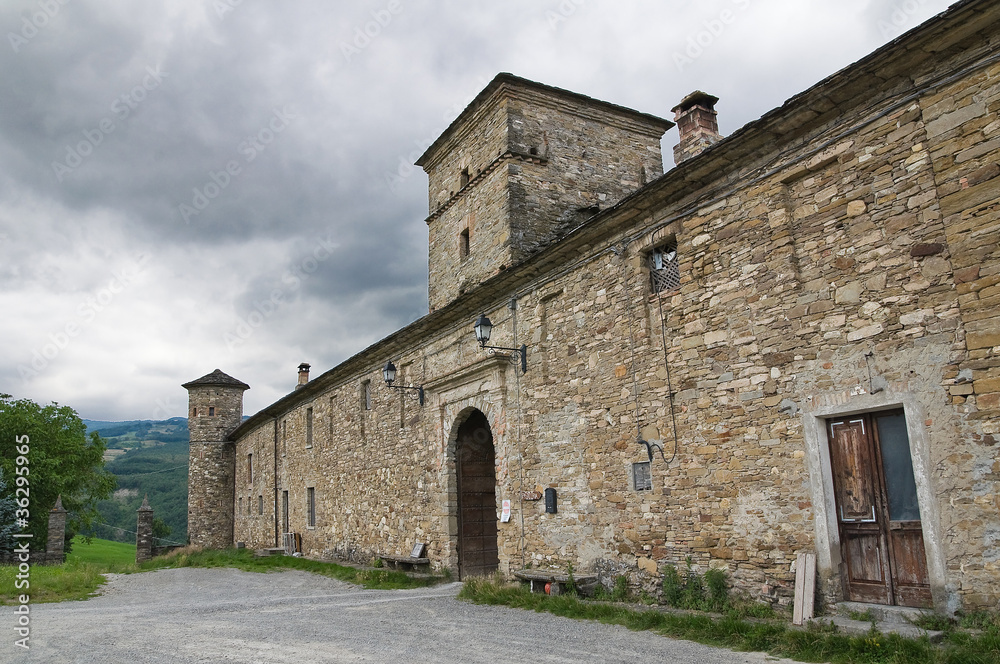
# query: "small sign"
418,550
505,512
531,495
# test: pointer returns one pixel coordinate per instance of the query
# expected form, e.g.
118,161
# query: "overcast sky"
188,185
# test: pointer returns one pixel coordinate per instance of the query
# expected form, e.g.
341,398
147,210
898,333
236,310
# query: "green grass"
78,578
818,643
82,575
243,559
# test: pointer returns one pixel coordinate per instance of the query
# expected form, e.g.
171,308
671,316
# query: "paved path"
224,615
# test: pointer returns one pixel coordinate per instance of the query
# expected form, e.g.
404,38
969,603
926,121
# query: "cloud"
250,164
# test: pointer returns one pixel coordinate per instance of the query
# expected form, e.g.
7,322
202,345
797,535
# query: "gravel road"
225,615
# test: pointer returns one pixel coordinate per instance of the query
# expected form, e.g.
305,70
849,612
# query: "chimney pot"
303,375
696,122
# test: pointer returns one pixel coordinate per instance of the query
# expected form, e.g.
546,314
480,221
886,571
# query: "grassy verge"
816,644
78,578
243,559
82,575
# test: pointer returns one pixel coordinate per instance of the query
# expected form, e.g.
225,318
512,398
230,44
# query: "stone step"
883,613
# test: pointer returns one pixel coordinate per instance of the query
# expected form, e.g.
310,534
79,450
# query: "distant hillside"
149,458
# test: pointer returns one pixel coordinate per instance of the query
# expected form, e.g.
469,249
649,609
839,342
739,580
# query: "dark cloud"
212,161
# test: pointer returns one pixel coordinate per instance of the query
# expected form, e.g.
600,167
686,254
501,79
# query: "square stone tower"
215,409
521,166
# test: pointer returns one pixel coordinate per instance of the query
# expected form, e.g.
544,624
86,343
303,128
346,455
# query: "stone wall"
838,256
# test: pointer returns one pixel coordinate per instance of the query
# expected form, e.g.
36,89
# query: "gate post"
144,532
55,547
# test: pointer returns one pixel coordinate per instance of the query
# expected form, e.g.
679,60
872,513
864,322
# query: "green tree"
160,528
7,516
62,460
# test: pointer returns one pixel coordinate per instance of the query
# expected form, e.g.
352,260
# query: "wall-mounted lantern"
550,501
517,356
389,374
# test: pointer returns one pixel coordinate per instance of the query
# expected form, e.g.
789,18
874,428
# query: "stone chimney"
303,375
695,118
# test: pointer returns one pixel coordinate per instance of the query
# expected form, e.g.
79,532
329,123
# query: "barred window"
642,479
664,272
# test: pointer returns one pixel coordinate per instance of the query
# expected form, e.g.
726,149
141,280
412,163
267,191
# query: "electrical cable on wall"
517,407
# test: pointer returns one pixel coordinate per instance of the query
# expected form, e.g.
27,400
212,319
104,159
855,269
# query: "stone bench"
537,578
406,563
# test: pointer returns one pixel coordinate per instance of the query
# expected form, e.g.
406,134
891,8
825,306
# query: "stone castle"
789,342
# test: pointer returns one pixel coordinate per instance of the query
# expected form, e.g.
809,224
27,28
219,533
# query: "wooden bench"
411,563
406,563
558,581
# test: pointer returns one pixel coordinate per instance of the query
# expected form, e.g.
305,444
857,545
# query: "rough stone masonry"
831,345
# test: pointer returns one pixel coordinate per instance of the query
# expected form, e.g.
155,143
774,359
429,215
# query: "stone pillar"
144,532
55,548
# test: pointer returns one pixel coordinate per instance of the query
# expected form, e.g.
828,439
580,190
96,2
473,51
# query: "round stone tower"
215,409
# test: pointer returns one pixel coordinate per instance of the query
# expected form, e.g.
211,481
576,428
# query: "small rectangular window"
642,479
464,177
260,504
309,427
284,511
463,244
664,271
311,506
250,469
211,411
366,395
239,508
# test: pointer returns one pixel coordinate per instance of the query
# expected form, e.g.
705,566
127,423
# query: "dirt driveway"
224,615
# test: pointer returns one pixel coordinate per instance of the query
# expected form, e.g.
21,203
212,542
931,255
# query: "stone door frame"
818,409
479,386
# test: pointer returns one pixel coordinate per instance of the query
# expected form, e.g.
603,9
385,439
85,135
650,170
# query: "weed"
689,592
673,587
570,581
865,616
620,591
933,621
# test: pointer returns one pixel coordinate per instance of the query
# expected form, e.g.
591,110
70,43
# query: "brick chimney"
695,118
303,375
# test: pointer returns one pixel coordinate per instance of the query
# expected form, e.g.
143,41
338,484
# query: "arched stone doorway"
475,470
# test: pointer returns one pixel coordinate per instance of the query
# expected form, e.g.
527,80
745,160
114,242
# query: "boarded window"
664,272
642,479
311,506
366,394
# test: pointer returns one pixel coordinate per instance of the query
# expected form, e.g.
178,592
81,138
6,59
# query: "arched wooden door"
475,464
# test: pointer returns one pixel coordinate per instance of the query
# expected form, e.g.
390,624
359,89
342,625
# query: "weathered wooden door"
881,536
477,512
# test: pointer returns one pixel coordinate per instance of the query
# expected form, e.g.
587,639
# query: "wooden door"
881,537
477,512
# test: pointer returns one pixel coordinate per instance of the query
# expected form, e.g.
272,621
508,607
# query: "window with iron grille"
664,272
642,479
311,506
